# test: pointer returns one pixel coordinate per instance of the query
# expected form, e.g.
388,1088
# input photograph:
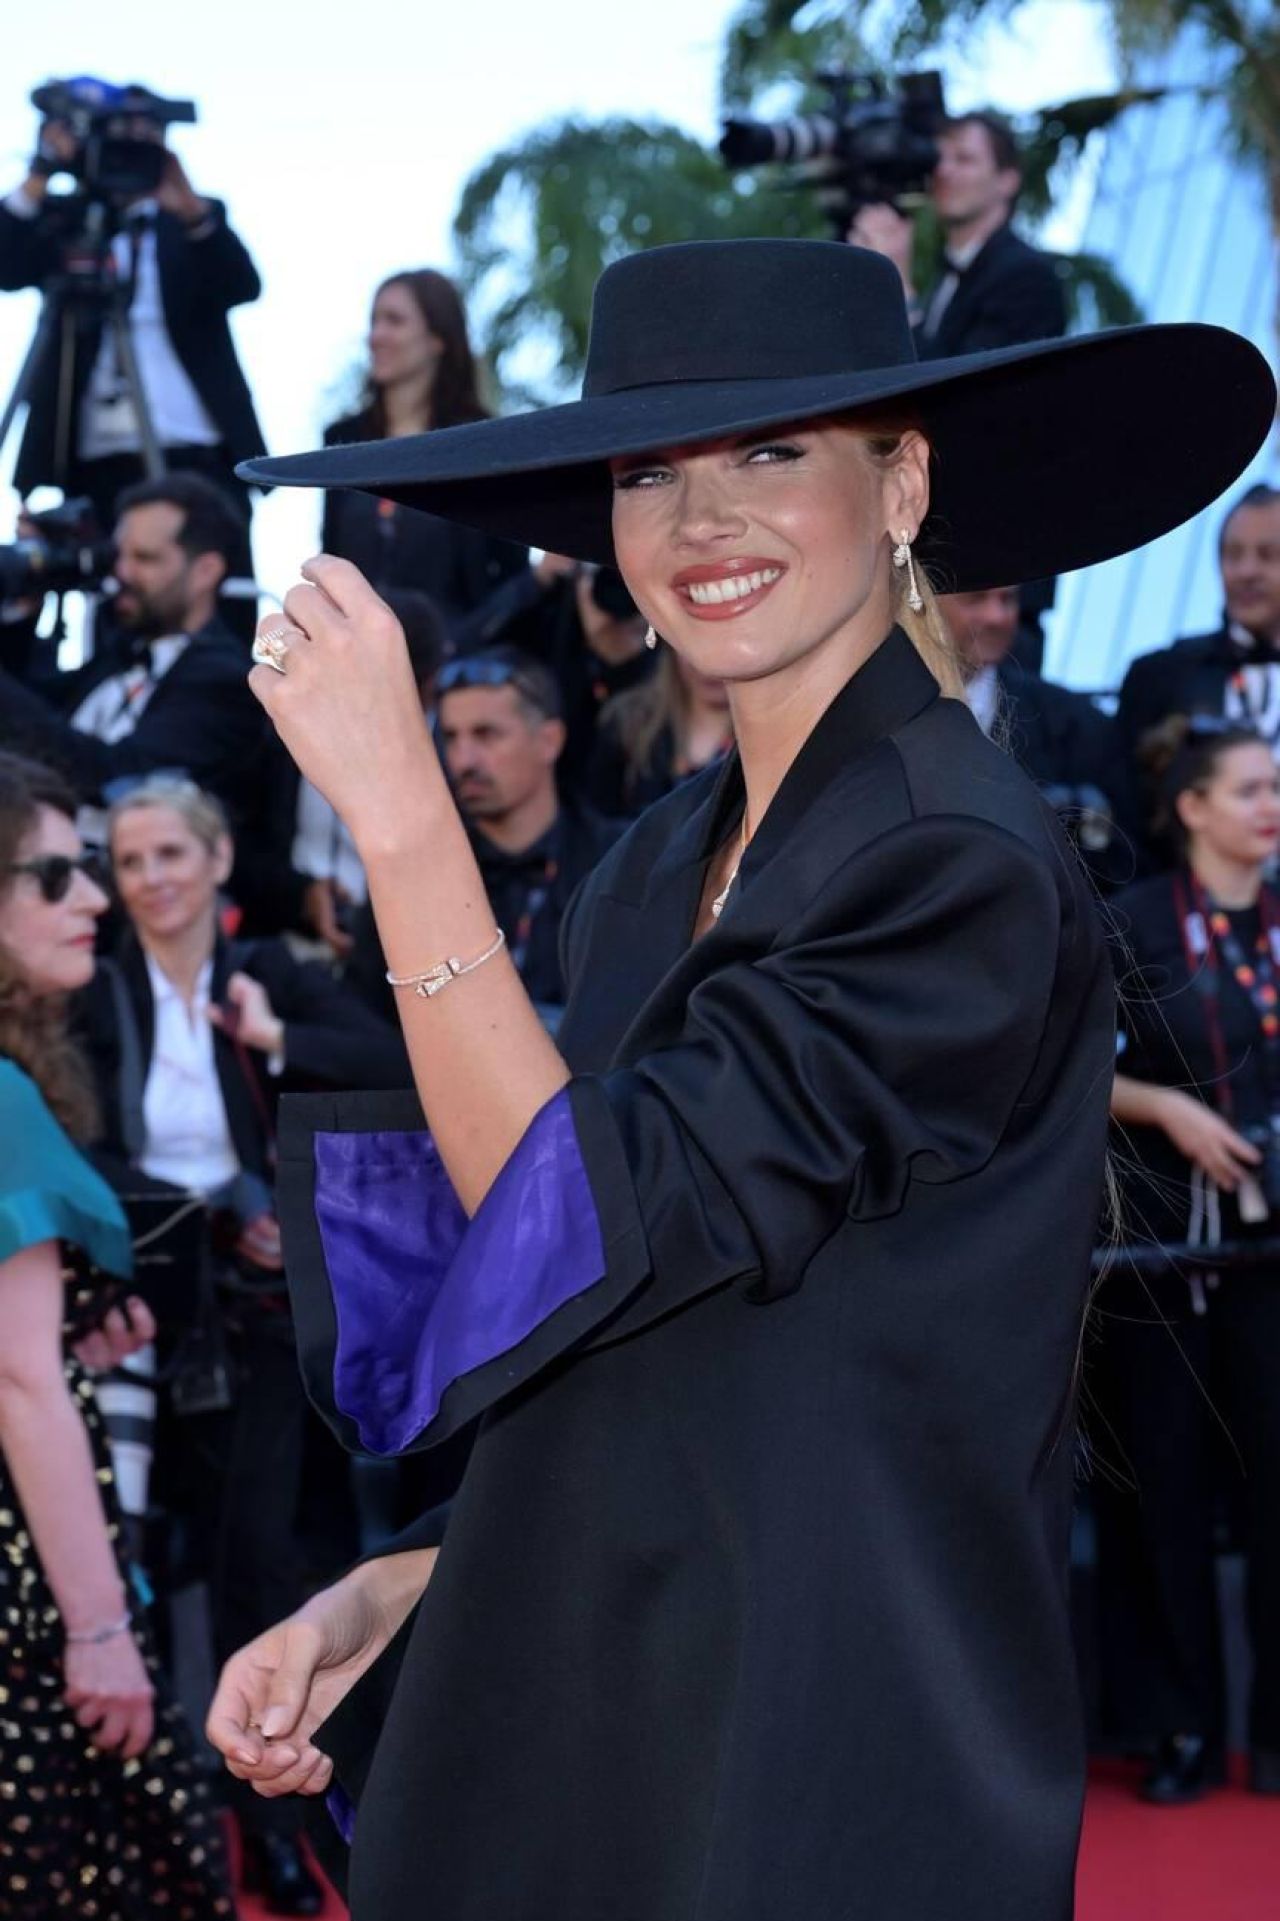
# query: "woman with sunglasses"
1187,1370
766,1280
105,1811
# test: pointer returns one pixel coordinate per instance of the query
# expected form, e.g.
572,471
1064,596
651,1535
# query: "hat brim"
1046,457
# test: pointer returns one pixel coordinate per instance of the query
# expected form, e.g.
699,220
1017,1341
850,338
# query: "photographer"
991,289
170,692
1181,1360
170,256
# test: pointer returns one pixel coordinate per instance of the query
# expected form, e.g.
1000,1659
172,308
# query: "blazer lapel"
835,788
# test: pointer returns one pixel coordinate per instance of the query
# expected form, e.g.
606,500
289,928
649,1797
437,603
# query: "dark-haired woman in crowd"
103,1809
421,375
191,1035
655,735
1188,1368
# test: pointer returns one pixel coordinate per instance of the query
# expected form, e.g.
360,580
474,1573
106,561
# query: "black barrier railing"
1156,1257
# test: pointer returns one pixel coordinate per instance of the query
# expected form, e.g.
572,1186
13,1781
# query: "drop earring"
650,638
903,557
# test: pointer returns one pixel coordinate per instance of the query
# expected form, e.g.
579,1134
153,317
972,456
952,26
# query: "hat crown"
728,310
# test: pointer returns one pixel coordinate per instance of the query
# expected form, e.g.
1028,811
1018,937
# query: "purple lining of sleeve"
342,1812
421,1295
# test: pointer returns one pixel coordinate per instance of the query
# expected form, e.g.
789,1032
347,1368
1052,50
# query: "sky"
340,142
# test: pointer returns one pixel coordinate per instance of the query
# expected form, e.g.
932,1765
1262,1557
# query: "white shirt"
958,259
108,419
116,705
1252,693
188,1141
322,847
983,695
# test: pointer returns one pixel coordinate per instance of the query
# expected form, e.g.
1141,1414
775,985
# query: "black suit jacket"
1010,293
201,279
1188,677
770,1523
330,1041
201,719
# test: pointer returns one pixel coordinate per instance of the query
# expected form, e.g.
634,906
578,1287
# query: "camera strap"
1211,945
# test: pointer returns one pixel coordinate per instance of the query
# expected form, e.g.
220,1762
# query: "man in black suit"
168,691
185,269
1234,671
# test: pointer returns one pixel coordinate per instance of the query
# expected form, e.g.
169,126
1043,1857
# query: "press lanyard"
534,901
1209,943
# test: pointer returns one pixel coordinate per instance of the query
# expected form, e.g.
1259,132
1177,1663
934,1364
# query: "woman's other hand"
1205,1138
122,1332
273,1694
346,705
110,1693
248,1015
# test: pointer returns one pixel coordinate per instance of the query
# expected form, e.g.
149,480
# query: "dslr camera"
118,134
66,552
876,141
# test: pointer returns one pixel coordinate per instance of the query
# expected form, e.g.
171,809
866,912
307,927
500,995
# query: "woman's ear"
907,486
224,855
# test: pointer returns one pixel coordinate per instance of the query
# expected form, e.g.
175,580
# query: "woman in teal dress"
104,1811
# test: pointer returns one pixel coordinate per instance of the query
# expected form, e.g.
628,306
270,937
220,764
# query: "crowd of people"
185,933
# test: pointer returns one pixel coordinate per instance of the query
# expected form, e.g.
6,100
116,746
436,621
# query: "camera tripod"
85,283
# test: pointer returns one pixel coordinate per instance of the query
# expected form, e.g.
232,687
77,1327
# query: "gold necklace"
717,905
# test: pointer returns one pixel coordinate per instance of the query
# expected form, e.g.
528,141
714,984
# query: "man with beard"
167,692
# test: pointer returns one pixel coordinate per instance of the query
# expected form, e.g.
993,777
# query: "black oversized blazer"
753,1601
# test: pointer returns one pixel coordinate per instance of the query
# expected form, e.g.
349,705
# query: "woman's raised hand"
249,1016
346,704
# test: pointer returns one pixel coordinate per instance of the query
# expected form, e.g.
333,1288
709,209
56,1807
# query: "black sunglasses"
54,873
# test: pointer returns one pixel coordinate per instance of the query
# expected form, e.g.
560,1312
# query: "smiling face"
166,875
768,555
50,943
1235,815
401,345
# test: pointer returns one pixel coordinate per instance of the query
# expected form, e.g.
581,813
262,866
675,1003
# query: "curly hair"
33,1028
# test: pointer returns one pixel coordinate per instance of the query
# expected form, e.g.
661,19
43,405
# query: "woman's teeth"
710,593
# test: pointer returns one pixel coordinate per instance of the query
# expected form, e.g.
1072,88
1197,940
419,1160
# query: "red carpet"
1216,1861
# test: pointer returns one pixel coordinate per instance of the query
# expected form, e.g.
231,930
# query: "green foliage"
538,223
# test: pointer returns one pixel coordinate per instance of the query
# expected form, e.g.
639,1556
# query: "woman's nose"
707,509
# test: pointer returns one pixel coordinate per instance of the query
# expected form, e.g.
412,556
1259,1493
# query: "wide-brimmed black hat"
1045,457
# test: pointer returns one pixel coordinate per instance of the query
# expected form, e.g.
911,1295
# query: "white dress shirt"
116,705
982,691
322,847
188,1141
